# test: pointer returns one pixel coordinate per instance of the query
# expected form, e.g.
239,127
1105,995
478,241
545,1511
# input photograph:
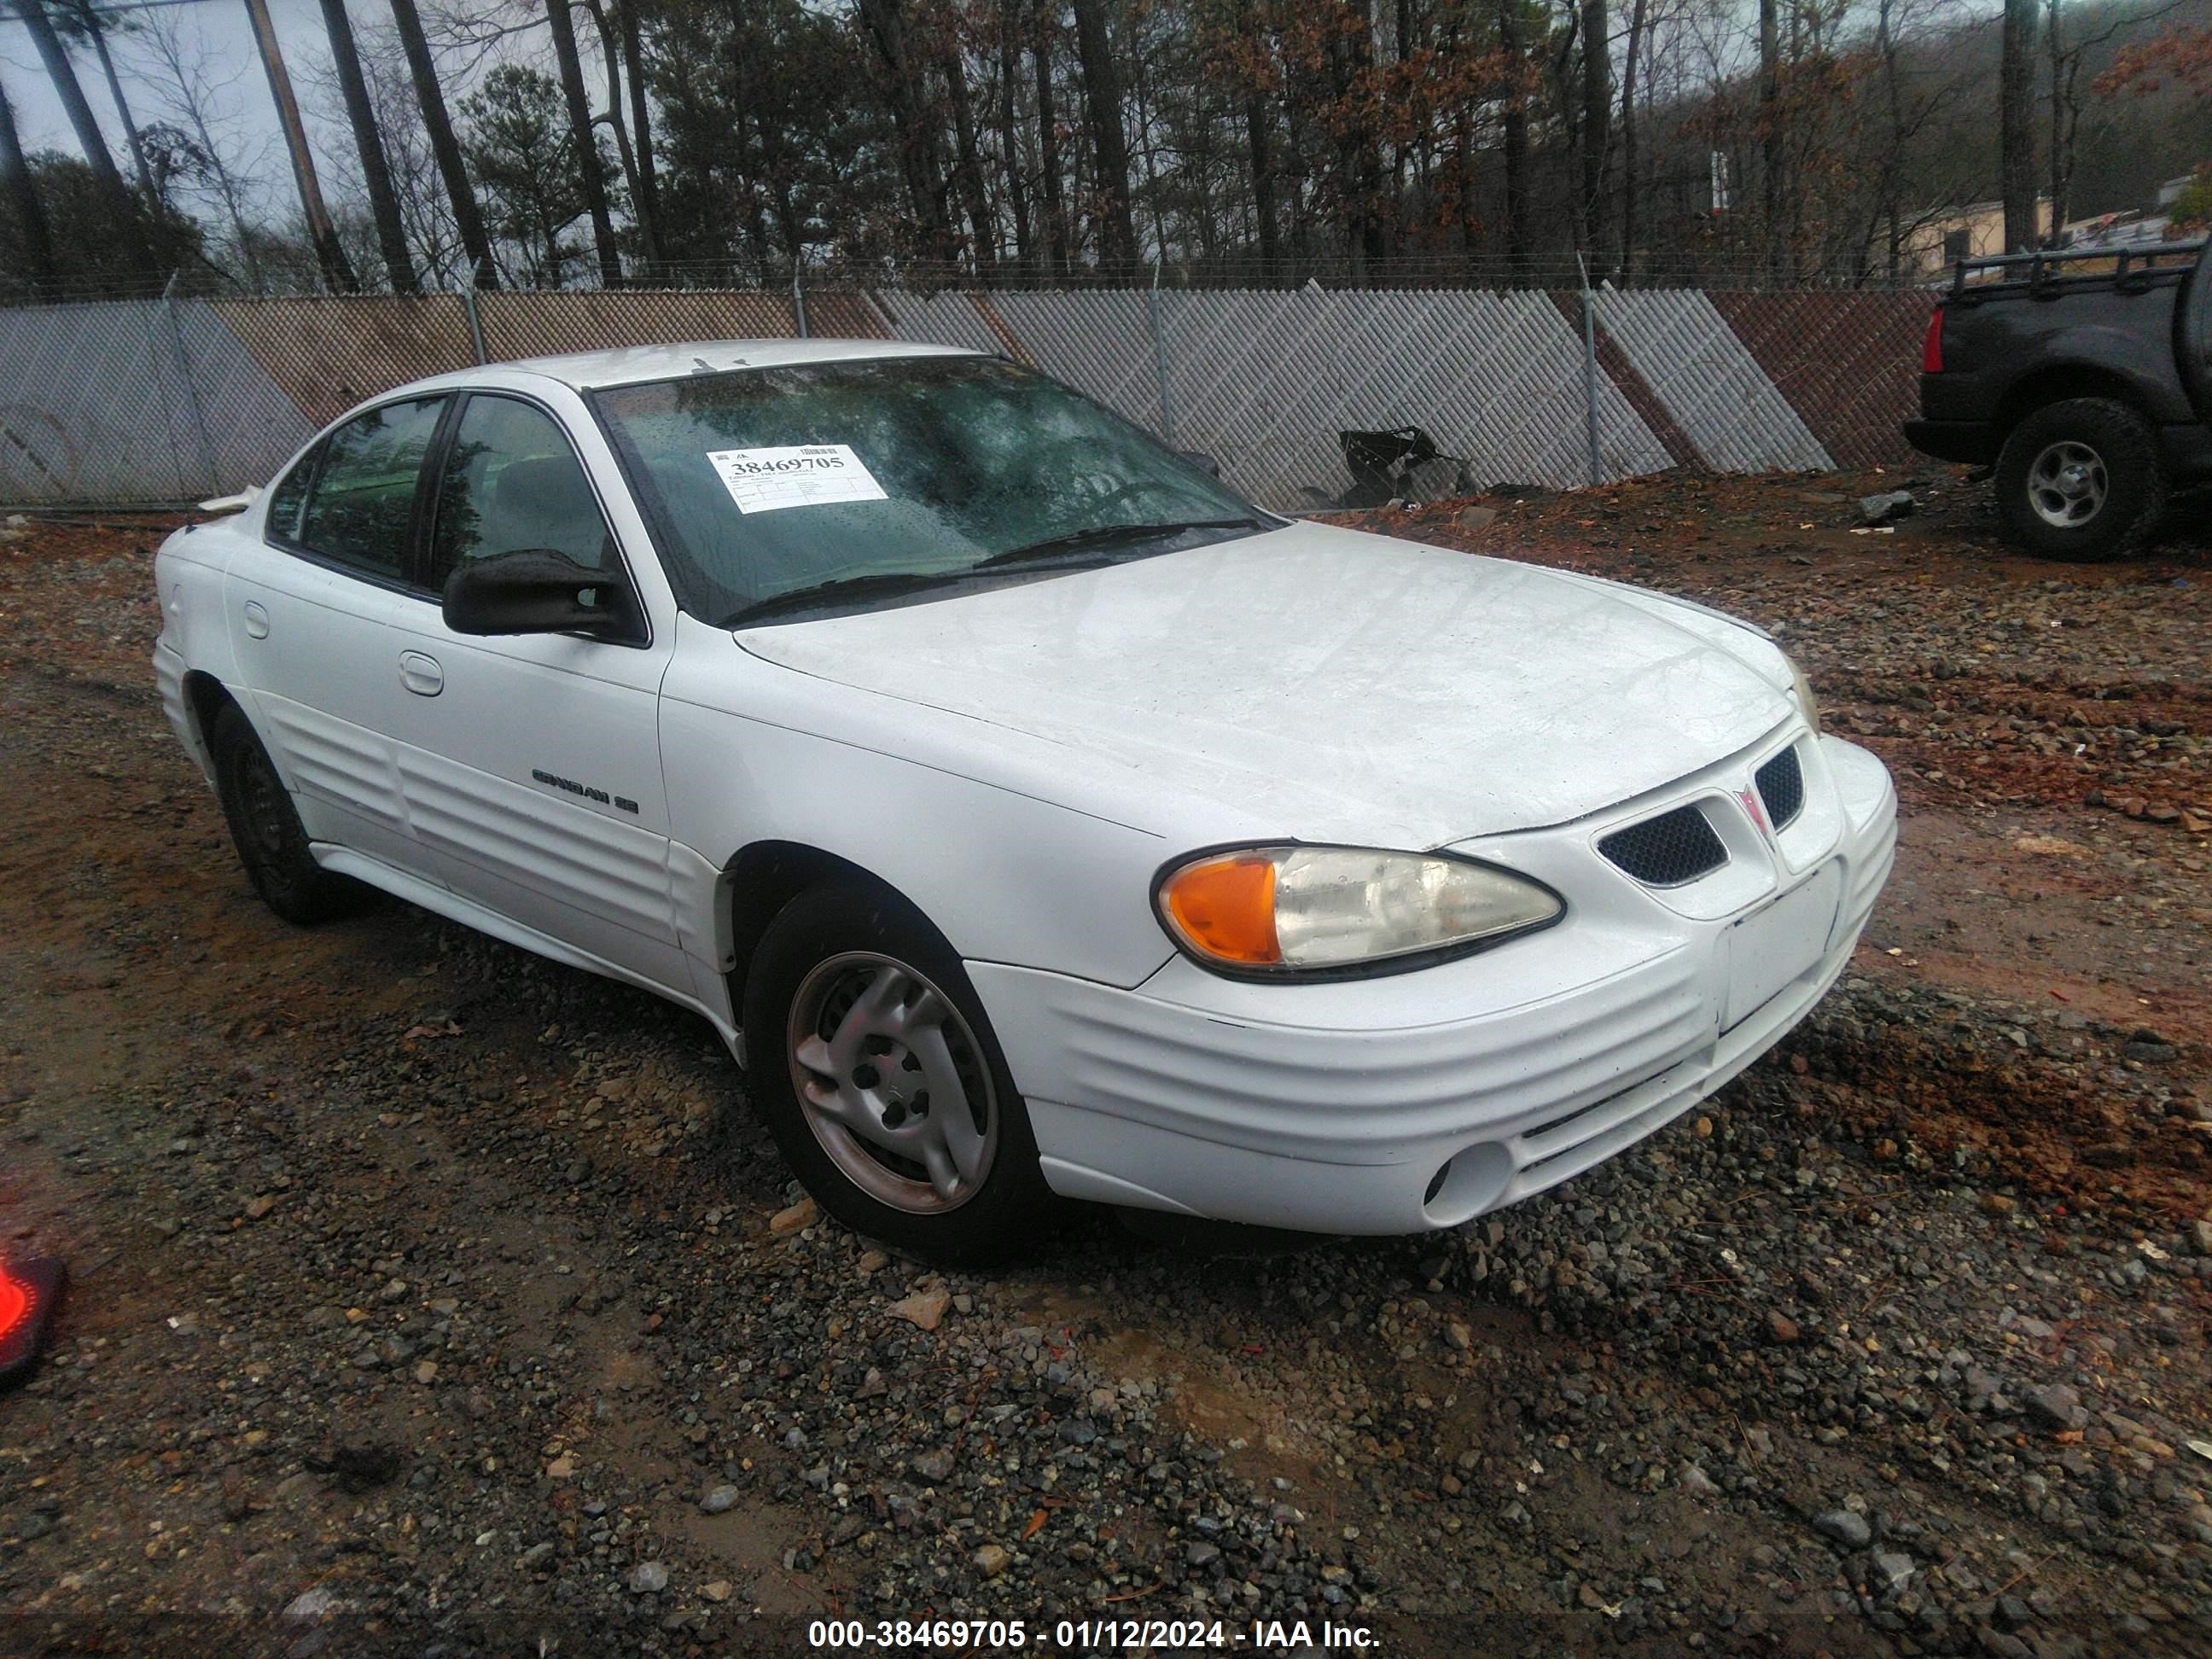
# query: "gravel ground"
431,1298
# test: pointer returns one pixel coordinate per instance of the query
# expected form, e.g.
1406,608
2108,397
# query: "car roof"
629,365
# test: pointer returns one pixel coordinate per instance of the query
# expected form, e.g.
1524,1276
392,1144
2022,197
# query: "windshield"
893,474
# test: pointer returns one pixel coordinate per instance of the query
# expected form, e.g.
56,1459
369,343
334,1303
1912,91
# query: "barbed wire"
1551,272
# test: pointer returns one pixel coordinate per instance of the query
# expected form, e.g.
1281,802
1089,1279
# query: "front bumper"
1422,1100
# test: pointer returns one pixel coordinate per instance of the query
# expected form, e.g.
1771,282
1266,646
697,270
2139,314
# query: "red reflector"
1931,348
29,1291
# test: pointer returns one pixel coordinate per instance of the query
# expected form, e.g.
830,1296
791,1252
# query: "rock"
310,1606
426,1372
1202,1555
649,1578
935,1466
717,1591
1781,1327
1478,518
2054,1407
1694,1480
538,1554
1892,1571
257,1207
718,1499
1846,1527
1881,509
797,1218
872,1261
991,1560
923,1309
1996,1204
562,1468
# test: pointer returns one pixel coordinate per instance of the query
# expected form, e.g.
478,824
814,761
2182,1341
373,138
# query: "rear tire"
2080,479
265,829
871,1061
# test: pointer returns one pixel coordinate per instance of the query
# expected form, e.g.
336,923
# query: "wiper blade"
1100,533
875,583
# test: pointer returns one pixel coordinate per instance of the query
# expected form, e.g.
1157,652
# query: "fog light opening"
1470,1181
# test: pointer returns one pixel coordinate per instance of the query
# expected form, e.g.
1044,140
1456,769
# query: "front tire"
869,1057
2080,479
265,827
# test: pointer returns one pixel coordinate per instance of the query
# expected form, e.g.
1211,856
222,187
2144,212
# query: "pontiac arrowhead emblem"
1757,814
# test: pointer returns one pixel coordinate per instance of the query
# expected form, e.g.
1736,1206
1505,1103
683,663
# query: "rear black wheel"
2082,479
266,829
870,1059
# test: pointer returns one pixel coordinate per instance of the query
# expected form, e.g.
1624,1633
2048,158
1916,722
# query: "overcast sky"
223,27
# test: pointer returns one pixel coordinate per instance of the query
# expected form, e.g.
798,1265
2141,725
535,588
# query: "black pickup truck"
2086,377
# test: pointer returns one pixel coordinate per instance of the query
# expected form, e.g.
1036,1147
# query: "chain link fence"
143,401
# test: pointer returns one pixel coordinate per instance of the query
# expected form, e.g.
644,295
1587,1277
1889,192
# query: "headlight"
1283,910
1802,689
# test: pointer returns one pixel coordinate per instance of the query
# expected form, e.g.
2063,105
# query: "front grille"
1668,850
1782,787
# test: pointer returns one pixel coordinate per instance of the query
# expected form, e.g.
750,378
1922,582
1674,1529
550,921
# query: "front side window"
363,495
844,478
513,484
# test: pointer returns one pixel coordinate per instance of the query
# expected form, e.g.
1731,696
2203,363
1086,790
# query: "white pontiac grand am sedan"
1031,814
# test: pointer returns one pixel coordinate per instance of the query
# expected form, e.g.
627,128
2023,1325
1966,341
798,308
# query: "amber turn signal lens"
1225,907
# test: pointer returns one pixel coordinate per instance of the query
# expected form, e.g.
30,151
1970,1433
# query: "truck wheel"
870,1061
267,830
2080,479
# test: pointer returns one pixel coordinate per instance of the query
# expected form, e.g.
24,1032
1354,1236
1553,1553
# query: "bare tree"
187,93
376,173
79,18
1109,147
51,53
24,206
1598,111
431,99
2017,126
891,25
587,142
1515,119
641,205
1047,21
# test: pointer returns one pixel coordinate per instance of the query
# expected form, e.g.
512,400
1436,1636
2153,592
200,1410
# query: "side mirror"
536,591
1204,462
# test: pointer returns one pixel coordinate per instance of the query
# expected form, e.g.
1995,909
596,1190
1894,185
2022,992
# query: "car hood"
1324,684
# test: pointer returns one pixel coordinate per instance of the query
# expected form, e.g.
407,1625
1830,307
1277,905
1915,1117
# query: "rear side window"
512,484
290,495
363,494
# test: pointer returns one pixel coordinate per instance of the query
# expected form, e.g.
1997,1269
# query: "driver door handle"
420,673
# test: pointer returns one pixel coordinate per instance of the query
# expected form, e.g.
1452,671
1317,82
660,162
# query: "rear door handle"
257,620
420,673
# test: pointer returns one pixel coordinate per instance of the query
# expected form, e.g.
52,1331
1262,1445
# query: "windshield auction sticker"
805,474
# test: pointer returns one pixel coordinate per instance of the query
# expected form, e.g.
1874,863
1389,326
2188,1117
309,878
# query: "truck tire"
2080,479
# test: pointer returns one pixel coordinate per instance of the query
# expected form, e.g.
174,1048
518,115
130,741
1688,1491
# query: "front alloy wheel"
870,1061
892,1082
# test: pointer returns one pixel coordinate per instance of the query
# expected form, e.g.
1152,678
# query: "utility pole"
337,274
